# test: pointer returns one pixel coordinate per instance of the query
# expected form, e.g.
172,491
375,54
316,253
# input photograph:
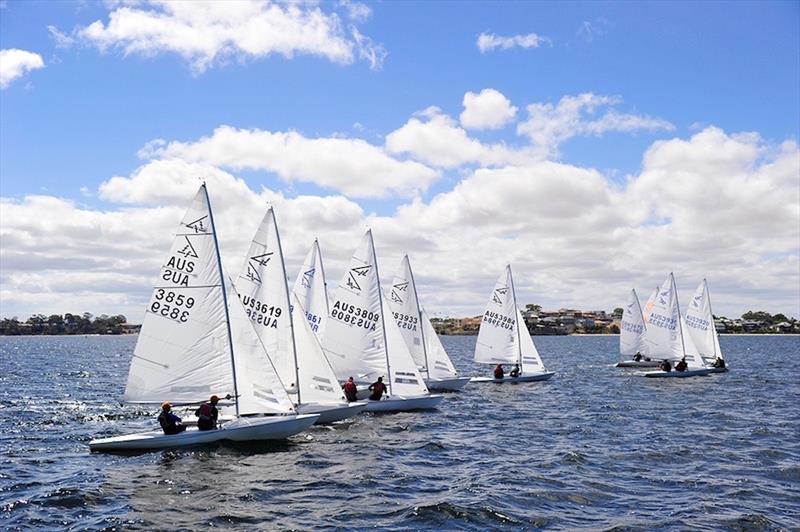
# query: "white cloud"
211,32
589,29
488,42
550,125
351,166
488,109
14,63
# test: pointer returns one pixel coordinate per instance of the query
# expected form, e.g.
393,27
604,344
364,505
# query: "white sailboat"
500,337
421,339
191,346
666,337
700,324
632,334
363,342
287,336
311,288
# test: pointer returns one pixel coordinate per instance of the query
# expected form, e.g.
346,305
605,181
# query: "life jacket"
350,387
204,412
498,373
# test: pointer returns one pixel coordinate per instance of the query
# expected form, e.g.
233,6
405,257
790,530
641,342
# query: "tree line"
67,324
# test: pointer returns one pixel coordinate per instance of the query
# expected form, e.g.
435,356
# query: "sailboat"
193,345
666,337
421,339
631,336
362,343
500,337
700,324
311,289
280,321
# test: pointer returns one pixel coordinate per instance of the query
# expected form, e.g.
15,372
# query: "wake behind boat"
193,345
500,337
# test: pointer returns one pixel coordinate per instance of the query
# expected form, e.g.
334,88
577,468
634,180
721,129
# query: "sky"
594,146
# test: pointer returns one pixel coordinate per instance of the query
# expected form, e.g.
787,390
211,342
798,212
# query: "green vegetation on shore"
39,324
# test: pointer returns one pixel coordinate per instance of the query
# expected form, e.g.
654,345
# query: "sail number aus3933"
406,321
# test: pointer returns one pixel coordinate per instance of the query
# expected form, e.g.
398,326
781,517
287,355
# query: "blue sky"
71,125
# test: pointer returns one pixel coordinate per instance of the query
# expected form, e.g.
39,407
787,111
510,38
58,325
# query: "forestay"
354,335
700,323
183,351
260,389
498,338
632,328
263,292
311,289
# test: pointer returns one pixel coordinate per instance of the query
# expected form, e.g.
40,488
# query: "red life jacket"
350,387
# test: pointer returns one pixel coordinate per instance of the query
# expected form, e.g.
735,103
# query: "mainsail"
663,337
632,328
700,323
648,305
183,353
498,337
311,289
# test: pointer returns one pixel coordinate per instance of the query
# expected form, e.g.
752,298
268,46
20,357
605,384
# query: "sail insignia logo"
188,250
396,289
308,277
662,297
254,265
198,225
696,301
360,271
496,296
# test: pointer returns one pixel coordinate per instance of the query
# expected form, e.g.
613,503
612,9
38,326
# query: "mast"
516,318
678,304
711,311
224,299
383,317
324,279
288,304
419,315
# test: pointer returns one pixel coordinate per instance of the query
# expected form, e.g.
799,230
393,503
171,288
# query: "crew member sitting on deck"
350,390
681,365
169,421
498,372
719,362
378,388
207,414
664,365
514,372
637,357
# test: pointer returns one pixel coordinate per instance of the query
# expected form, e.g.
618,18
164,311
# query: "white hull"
533,377
449,385
241,429
331,412
639,364
677,374
718,370
405,404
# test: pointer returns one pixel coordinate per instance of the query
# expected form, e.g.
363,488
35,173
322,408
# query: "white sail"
318,382
405,311
700,323
262,289
498,338
531,361
648,305
260,389
183,351
691,353
439,364
404,379
632,328
663,337
354,339
311,289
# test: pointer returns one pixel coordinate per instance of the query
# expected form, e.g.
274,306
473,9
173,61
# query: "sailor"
207,414
514,372
169,421
637,357
378,388
664,365
719,362
498,372
681,365
350,390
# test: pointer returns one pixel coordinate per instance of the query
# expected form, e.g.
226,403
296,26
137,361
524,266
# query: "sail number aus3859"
171,305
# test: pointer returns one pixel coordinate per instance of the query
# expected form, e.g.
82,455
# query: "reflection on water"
595,447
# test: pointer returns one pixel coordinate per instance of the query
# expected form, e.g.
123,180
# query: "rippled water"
595,447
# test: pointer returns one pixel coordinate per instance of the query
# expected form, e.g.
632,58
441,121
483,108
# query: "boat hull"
639,364
241,429
718,370
447,385
405,404
331,412
677,374
533,377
